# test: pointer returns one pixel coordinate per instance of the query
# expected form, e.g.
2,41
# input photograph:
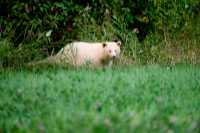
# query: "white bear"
85,53
89,53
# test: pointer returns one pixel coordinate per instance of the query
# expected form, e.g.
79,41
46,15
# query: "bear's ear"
104,45
119,43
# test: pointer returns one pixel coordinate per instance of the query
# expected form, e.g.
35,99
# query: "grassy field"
125,99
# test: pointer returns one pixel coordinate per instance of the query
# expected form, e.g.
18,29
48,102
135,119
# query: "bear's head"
111,49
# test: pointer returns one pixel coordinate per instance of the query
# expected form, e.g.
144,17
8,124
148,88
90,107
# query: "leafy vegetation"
149,98
123,99
152,31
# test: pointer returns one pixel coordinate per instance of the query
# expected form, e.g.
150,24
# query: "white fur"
81,53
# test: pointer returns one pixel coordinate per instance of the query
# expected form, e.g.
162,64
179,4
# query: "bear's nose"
114,56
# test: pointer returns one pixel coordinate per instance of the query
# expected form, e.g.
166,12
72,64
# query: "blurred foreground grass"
130,99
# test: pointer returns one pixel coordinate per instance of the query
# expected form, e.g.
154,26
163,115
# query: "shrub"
141,25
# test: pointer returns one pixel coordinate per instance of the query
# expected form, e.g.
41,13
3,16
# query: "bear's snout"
114,56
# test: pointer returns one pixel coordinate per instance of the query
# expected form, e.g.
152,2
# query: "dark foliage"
26,21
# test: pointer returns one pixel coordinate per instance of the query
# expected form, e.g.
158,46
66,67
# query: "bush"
141,25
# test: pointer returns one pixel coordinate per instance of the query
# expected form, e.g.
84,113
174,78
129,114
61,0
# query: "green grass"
130,99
